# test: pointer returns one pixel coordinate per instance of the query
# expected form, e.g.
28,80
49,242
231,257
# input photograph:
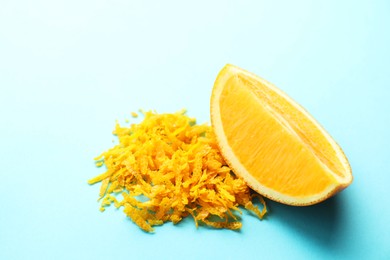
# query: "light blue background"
69,69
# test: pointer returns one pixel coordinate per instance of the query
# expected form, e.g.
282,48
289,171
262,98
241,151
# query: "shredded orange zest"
134,114
167,168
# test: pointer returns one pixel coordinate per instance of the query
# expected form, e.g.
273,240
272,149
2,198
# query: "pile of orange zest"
167,168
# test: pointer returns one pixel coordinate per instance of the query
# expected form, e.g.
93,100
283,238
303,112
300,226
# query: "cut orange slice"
273,143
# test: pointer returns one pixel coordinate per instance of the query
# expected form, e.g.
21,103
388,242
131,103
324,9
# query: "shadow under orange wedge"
273,143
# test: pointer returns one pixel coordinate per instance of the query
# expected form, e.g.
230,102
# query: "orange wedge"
273,143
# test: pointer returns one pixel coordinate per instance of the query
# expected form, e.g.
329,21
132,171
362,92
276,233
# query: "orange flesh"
303,154
301,125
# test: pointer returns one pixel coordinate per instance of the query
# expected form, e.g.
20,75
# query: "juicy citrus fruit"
273,143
